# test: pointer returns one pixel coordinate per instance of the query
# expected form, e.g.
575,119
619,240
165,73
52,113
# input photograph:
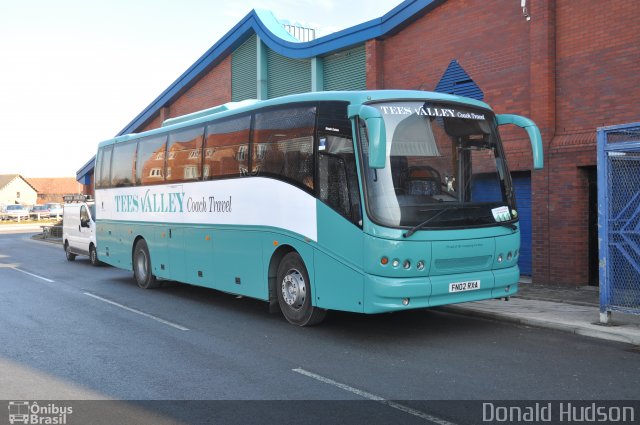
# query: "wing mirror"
532,130
376,133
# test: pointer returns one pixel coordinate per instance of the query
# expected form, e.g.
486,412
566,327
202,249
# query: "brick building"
52,189
568,65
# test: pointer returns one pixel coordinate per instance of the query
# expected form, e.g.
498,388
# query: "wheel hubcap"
294,289
141,265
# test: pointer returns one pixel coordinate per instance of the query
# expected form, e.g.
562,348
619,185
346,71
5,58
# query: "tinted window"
283,144
151,154
103,168
184,155
226,151
337,176
124,164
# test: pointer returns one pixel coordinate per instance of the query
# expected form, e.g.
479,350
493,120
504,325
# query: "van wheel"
93,255
70,256
142,266
294,292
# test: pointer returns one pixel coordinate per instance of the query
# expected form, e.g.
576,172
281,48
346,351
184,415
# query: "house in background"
53,189
15,189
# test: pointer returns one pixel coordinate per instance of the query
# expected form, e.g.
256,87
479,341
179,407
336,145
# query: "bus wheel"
70,256
294,292
93,255
142,266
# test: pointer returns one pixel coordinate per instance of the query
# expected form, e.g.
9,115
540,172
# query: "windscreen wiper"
439,213
511,226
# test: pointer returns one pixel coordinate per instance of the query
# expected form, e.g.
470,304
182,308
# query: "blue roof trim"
266,26
83,173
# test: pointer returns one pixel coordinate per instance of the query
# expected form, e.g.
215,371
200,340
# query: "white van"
79,230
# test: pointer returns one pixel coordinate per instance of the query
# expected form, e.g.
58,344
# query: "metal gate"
619,219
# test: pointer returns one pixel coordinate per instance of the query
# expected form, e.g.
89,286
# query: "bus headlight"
406,265
420,265
395,262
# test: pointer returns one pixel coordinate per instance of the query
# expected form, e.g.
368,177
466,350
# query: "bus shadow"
215,306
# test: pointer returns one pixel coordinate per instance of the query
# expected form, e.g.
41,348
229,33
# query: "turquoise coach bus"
370,202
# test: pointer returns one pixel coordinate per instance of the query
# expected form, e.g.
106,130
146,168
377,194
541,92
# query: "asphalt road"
72,331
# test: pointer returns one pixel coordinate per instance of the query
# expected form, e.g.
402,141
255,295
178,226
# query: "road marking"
373,397
31,274
141,313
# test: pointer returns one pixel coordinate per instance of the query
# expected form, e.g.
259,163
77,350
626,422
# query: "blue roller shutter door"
486,189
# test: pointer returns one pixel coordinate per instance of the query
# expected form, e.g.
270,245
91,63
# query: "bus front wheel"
294,292
142,266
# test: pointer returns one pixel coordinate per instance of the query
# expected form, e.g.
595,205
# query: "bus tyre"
142,266
70,256
93,255
294,292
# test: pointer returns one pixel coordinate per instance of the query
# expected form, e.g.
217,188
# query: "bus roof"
352,97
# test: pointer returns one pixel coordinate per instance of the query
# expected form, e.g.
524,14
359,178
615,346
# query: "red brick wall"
598,78
597,84
212,89
572,68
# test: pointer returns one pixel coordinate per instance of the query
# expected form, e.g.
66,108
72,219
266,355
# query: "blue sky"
75,72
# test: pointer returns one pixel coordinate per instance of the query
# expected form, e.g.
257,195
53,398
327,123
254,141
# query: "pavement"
568,309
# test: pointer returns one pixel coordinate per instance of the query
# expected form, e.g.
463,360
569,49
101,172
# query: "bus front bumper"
384,294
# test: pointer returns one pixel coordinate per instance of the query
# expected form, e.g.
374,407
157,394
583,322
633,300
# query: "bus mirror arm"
534,135
376,132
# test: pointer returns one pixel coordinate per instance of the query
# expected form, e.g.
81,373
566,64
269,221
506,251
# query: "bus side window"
226,148
338,177
123,164
103,168
283,144
150,163
184,155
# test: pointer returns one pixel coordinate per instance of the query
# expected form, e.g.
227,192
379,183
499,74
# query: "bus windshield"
445,168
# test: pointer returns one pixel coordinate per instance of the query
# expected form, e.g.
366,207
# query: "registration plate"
470,285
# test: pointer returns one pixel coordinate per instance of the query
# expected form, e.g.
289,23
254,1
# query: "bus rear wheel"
294,292
142,266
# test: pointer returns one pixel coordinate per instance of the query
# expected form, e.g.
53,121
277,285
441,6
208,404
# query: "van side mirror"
84,222
376,133
534,135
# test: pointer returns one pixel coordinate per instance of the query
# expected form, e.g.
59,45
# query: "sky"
75,72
